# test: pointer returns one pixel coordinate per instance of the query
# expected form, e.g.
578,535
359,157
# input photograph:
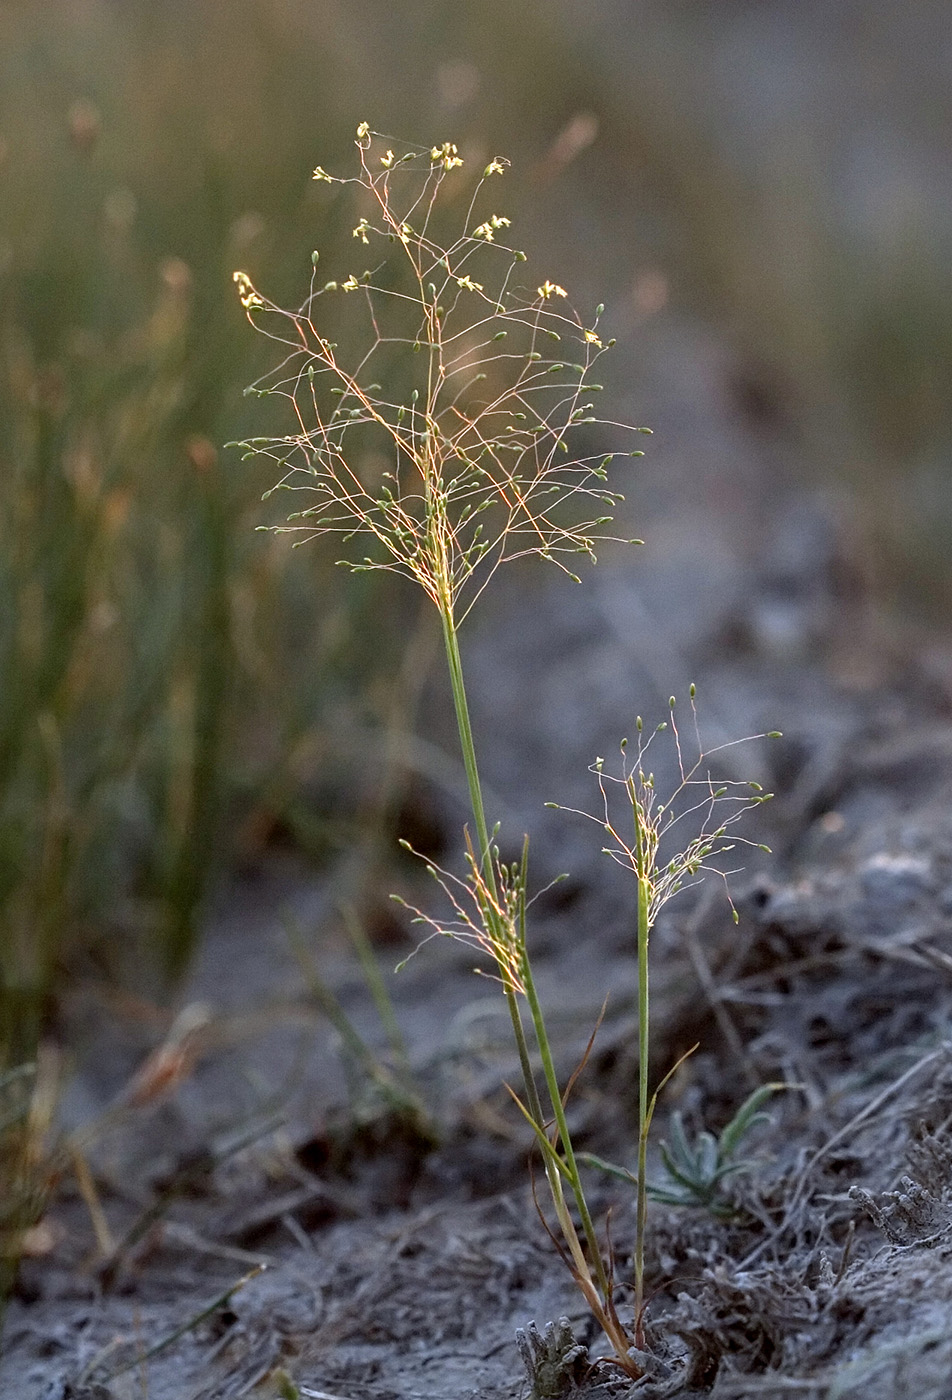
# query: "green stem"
568,1152
455,664
533,1102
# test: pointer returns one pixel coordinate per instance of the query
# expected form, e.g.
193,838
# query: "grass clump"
477,452
671,841
27,1104
114,650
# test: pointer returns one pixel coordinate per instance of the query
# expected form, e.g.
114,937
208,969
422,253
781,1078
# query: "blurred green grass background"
172,681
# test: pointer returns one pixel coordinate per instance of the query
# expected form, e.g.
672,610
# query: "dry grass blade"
795,1202
220,1301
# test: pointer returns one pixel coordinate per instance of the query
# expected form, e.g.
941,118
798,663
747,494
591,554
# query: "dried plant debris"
930,1160
555,1362
66,1390
920,1210
911,1215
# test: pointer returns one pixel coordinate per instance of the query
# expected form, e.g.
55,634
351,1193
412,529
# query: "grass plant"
391,1082
28,1096
144,631
672,840
115,538
479,451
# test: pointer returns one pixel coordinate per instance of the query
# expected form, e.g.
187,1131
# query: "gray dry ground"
397,1272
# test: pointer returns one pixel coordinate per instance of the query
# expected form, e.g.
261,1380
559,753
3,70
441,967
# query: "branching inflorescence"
481,456
695,818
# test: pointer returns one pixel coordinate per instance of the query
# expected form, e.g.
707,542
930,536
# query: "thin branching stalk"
696,798
598,1292
477,453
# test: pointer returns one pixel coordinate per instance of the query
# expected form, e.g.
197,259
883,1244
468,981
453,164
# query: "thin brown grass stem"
644,1004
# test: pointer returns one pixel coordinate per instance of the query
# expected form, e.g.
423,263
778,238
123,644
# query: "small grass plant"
378,1087
28,1095
667,843
481,449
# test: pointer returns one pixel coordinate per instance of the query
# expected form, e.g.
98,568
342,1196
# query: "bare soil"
286,1230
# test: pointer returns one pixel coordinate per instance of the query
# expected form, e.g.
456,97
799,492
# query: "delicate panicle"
480,453
487,914
705,810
